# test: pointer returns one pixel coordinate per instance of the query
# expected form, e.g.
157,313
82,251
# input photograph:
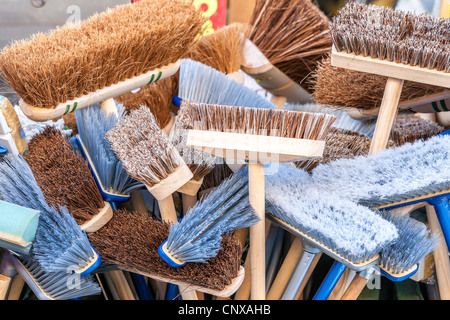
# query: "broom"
100,58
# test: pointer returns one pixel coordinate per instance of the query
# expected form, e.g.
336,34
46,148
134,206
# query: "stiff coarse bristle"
63,176
197,237
392,35
392,175
339,87
60,243
222,50
411,128
201,83
293,35
213,179
156,96
56,285
118,44
143,148
414,242
339,144
93,124
259,121
200,163
131,240
350,231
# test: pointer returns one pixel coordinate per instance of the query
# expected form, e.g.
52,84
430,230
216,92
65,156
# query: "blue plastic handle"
332,278
442,207
176,100
3,150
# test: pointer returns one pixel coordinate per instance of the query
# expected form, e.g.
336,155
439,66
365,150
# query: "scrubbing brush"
197,237
100,58
411,128
18,226
60,244
394,44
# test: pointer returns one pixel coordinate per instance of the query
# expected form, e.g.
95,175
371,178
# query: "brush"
18,227
197,237
52,285
347,232
61,75
362,93
251,134
131,242
394,44
293,35
59,244
65,179
411,128
12,135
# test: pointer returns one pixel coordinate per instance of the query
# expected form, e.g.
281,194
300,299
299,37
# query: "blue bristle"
197,237
349,230
93,123
201,83
60,285
414,242
60,243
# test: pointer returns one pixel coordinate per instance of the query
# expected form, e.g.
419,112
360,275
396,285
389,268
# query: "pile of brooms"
179,181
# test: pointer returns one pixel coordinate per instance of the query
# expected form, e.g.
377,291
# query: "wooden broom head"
63,175
118,44
393,35
292,34
222,50
339,87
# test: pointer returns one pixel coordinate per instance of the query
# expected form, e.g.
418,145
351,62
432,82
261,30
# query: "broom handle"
257,232
445,10
441,259
4,286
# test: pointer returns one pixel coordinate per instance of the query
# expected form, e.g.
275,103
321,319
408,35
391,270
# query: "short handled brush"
393,44
62,76
60,244
250,134
347,232
18,226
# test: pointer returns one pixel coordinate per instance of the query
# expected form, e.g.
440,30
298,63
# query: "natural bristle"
259,121
293,35
143,148
63,176
131,240
339,87
412,128
393,35
120,43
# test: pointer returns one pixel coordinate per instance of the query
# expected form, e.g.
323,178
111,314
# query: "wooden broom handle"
356,287
386,117
441,258
257,232
121,285
4,286
445,10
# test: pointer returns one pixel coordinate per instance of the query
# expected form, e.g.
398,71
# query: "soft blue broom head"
198,236
201,83
391,175
93,123
60,243
351,231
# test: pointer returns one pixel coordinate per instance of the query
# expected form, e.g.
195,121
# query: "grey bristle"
351,231
93,124
143,148
393,35
391,175
59,285
197,237
60,244
414,242
201,83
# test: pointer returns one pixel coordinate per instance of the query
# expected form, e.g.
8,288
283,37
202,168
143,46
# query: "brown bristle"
131,240
393,35
143,148
293,35
259,121
340,144
63,176
70,121
411,128
213,179
156,96
120,43
222,50
339,87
